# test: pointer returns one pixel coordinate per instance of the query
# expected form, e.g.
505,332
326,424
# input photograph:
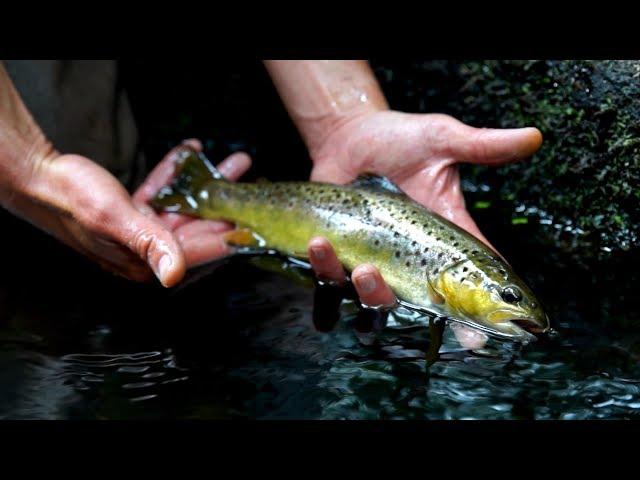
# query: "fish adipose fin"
193,171
375,182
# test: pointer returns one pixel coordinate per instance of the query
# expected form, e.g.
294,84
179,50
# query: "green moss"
480,204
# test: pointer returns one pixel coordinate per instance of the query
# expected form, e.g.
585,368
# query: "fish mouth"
530,325
507,330
519,329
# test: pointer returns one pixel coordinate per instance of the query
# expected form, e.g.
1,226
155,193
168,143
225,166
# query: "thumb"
494,146
154,244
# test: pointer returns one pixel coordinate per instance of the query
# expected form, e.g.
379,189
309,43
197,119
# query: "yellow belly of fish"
289,232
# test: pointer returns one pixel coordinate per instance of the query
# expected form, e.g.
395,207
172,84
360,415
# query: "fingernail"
366,283
318,253
163,268
227,166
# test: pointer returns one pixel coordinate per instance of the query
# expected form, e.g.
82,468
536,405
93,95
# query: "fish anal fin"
243,237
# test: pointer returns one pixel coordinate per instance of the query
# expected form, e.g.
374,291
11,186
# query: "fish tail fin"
193,171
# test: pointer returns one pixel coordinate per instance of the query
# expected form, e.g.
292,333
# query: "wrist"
22,161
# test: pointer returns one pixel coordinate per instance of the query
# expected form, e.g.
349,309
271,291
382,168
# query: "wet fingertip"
318,242
235,165
364,269
193,143
365,283
317,252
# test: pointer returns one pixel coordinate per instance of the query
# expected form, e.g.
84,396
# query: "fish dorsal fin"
375,182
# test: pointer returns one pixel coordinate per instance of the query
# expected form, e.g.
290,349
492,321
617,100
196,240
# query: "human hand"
83,205
419,153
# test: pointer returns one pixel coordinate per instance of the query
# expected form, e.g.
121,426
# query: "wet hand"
419,153
83,205
201,241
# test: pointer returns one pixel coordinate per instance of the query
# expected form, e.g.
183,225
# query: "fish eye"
511,294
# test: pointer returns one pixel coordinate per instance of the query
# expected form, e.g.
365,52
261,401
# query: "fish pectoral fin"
375,182
433,294
243,237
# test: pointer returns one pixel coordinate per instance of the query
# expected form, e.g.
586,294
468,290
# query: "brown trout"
431,264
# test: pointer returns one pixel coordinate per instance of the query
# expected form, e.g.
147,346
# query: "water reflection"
245,342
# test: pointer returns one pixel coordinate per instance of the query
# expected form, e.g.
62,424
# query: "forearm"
322,95
22,143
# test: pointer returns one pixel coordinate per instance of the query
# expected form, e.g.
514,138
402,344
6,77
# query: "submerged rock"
580,192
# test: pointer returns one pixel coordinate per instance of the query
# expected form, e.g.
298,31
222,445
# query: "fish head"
491,297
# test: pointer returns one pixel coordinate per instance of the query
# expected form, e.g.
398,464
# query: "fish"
432,265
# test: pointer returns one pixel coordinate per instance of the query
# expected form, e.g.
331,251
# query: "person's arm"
84,206
322,95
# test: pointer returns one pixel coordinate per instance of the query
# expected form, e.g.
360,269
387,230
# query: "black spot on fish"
396,234
408,264
377,242
426,249
451,237
397,253
423,262
441,254
475,252
414,243
465,269
455,244
435,272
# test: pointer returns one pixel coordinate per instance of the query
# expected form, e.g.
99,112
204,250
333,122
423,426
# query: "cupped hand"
419,153
83,205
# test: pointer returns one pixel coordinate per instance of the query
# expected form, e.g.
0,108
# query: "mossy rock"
581,189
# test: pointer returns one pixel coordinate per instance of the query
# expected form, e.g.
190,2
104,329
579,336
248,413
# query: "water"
241,342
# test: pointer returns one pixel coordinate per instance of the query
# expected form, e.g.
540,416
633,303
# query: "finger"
193,143
494,146
149,240
164,171
235,165
324,261
469,338
201,241
372,289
